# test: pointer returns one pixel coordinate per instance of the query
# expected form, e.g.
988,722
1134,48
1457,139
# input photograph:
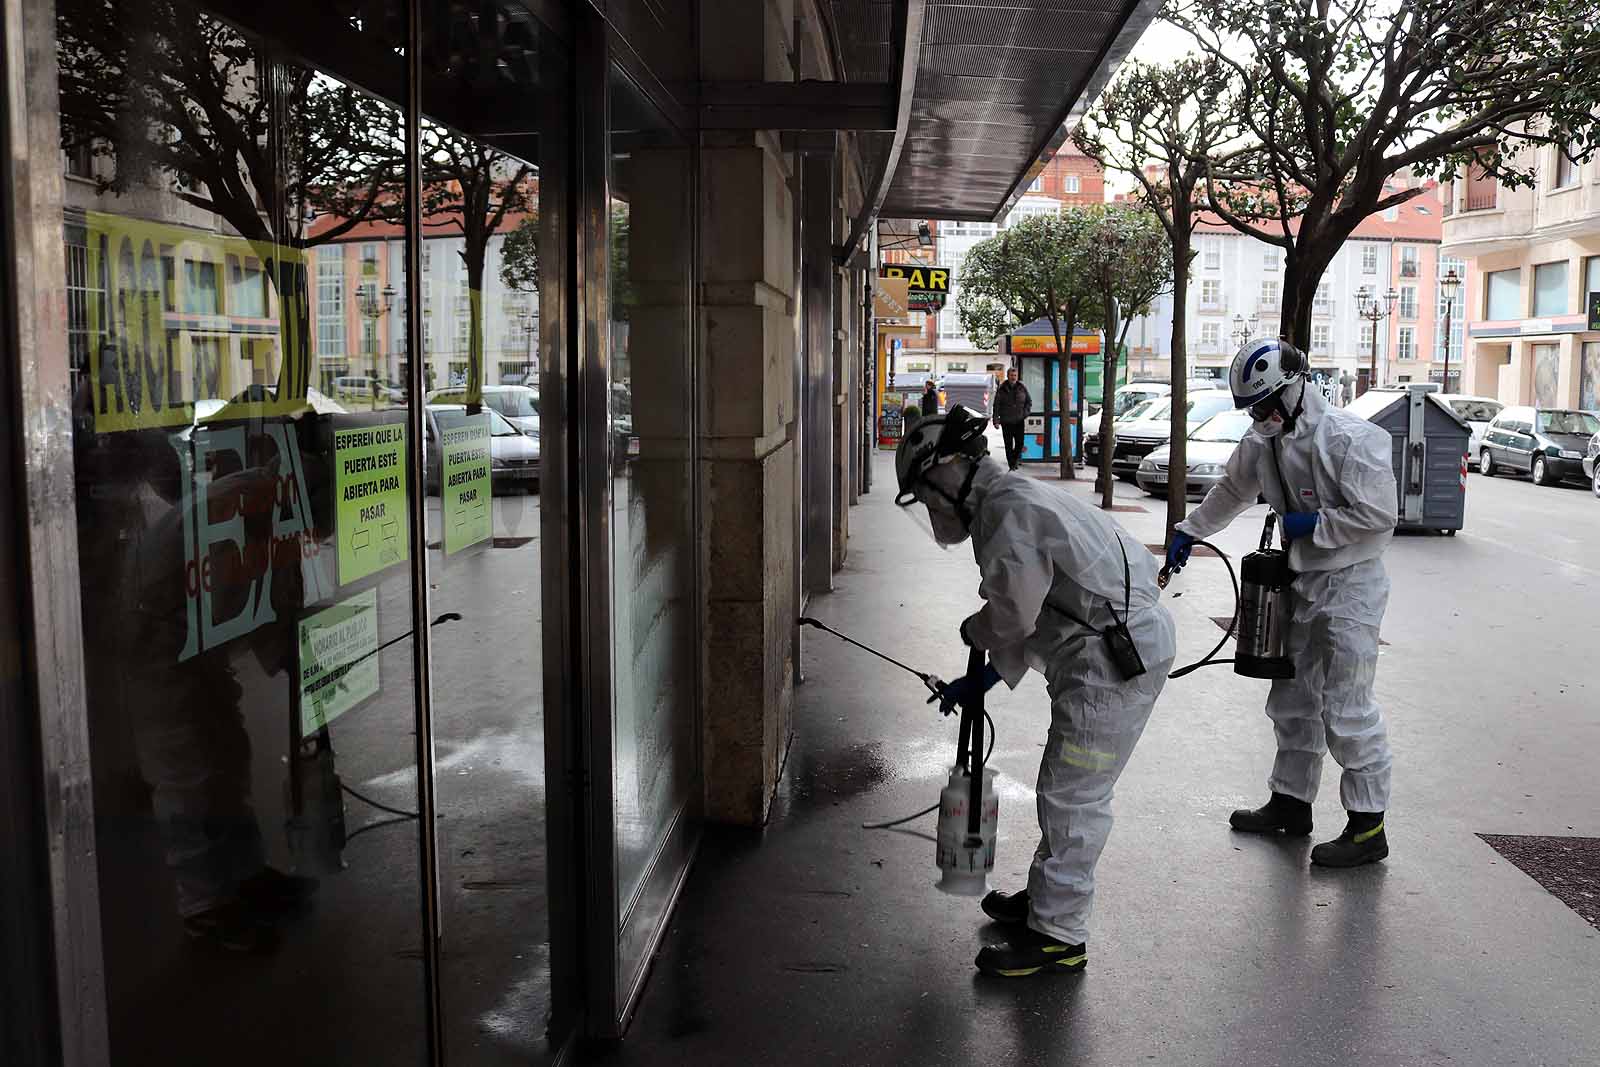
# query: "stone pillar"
748,457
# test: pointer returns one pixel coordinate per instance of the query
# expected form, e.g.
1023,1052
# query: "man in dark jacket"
930,399
1011,407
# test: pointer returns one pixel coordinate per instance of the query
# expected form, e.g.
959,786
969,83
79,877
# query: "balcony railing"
1483,190
1408,269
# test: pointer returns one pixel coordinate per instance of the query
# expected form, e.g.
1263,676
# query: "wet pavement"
819,942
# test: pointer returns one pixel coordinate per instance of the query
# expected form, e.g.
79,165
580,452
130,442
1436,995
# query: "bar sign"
1594,311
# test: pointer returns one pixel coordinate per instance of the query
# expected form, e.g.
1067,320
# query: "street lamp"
1449,285
1374,309
372,306
1244,329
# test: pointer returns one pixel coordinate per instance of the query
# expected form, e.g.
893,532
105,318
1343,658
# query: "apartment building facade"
1532,260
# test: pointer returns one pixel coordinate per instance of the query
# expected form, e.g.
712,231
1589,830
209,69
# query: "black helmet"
958,432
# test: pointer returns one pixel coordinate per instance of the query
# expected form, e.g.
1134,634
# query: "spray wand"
934,683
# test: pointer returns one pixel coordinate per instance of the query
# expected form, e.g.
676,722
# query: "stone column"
746,305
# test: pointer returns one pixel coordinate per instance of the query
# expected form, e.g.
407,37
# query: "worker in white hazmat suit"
1328,474
1068,593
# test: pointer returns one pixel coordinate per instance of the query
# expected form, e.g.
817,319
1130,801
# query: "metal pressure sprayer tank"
1263,584
969,807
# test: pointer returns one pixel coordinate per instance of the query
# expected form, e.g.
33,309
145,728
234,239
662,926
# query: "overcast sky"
1161,43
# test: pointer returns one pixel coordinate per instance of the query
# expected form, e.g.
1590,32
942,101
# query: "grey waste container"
1430,454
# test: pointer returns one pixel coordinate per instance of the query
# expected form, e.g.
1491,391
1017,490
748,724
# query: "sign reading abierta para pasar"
370,479
466,484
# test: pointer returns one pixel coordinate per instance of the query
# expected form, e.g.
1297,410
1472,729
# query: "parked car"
1547,443
1133,394
1477,412
513,455
1591,464
1138,437
1206,455
517,404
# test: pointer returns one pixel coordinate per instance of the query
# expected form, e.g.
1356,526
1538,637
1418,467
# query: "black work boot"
1028,952
1010,909
1282,812
1362,842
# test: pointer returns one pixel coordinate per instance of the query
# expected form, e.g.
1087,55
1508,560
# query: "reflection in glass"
494,101
243,539
652,489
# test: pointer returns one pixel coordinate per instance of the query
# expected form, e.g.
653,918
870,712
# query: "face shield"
941,490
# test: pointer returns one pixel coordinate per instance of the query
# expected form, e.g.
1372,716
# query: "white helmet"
1262,368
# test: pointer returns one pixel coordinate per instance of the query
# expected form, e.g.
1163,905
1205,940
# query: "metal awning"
988,90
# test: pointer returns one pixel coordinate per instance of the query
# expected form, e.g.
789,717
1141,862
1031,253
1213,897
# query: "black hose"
375,825
374,803
1210,660
891,824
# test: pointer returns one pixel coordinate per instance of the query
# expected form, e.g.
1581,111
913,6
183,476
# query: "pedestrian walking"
1012,406
930,399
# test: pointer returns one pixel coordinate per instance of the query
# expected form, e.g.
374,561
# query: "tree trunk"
1108,383
294,303
475,252
1177,449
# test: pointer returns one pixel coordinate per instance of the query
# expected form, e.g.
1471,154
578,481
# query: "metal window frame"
57,979
619,942
41,419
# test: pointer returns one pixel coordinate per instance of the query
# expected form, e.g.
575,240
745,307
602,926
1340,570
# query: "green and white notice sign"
370,479
338,660
465,482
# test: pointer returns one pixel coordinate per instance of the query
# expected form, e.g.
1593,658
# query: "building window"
1407,346
1322,304
955,368
1483,189
1272,258
330,300
1269,294
1566,169
1502,295
1210,336
1211,292
1550,288
1591,278
1321,339
1410,266
78,160
1364,344
1072,184
1211,253
463,335
1369,259
1408,302
1037,184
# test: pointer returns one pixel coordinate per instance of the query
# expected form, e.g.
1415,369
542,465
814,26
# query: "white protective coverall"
1339,465
1035,543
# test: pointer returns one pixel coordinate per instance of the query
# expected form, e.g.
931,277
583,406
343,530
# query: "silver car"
513,455
1591,464
1210,445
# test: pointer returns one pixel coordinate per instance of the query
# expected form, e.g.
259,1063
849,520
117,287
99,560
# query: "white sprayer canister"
964,865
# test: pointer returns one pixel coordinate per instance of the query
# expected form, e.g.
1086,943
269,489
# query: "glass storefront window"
244,543
652,483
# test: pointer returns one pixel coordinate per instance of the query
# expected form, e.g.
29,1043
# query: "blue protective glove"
1178,551
965,688
1298,524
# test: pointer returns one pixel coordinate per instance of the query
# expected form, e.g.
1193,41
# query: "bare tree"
1340,95
1169,127
1128,260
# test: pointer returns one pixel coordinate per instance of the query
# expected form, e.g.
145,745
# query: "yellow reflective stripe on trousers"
1367,835
1090,758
